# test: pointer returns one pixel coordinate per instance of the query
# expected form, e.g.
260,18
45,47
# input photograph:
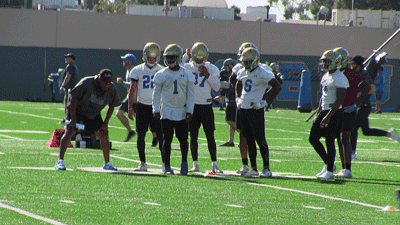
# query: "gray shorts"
124,105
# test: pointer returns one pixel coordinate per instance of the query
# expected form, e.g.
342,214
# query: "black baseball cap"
70,55
358,60
106,75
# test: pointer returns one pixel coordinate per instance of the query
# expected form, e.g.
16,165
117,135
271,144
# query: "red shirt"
355,79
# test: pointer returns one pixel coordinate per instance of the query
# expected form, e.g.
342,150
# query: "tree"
105,6
293,7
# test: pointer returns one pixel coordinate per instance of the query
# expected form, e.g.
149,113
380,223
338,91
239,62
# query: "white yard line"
24,131
275,187
26,213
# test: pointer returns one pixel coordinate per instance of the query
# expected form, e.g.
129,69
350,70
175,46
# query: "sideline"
26,213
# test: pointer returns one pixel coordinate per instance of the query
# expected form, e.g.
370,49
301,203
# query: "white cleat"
142,167
250,173
394,135
244,169
60,165
215,169
266,173
344,173
324,170
196,168
326,176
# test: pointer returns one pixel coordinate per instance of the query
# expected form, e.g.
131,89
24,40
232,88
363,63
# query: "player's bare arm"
132,97
273,92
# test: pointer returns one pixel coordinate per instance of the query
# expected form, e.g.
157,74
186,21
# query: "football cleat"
60,165
250,173
168,170
215,169
184,168
109,166
326,176
244,169
142,167
344,173
394,135
266,173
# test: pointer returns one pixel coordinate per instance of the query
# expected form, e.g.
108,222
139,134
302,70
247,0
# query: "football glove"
259,105
238,103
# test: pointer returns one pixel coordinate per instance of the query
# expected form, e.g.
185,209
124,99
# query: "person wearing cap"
70,79
363,111
88,98
128,61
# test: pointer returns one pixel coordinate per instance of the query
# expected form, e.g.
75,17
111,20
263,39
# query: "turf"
292,196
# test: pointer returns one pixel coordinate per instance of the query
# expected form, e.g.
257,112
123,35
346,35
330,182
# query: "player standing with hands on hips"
251,99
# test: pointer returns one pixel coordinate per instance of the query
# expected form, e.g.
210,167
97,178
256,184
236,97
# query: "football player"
364,110
174,86
328,120
207,79
142,85
355,95
251,99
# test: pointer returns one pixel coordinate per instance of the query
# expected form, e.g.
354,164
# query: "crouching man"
87,100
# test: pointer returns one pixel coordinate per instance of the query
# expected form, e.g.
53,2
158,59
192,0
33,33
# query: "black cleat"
130,135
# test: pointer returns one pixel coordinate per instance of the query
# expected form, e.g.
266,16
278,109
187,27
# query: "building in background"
366,18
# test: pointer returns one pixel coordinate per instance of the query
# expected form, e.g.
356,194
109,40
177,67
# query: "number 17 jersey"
144,76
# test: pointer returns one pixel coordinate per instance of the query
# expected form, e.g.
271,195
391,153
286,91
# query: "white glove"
259,105
238,103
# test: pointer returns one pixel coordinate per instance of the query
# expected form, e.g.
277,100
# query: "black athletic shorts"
144,117
348,120
378,95
334,126
202,114
230,113
91,125
125,107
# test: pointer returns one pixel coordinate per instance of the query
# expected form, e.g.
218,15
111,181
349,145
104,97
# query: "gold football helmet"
243,47
250,58
274,66
199,53
173,55
152,50
344,57
330,60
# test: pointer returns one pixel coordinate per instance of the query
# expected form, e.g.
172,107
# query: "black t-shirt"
369,80
231,96
73,70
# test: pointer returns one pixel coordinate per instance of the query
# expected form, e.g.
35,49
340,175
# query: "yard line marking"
24,131
37,168
28,114
301,192
313,207
151,203
26,213
67,201
14,138
236,206
2,153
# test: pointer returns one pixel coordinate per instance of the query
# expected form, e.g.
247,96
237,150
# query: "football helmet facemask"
344,57
243,47
250,58
274,66
152,50
330,60
199,53
172,55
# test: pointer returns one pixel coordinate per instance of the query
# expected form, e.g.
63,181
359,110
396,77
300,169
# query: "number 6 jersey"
254,85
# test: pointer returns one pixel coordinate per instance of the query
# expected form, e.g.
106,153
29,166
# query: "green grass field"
33,192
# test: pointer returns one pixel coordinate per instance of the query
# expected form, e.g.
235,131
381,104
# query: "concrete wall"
26,34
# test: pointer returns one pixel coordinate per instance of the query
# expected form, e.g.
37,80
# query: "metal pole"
383,45
352,10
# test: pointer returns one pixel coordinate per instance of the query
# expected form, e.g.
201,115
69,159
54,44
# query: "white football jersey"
254,85
203,85
330,83
144,76
173,94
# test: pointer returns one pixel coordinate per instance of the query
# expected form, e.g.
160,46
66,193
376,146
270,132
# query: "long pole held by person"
380,48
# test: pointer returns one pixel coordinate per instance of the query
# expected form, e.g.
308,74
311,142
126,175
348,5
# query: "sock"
214,163
245,161
195,163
